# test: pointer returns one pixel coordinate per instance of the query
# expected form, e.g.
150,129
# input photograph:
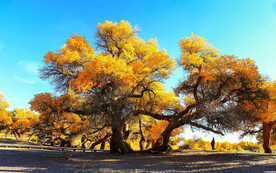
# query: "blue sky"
31,28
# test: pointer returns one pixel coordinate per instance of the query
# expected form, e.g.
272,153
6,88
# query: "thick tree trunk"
162,144
113,146
117,144
267,127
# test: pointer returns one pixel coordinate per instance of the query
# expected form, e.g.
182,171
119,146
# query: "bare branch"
205,128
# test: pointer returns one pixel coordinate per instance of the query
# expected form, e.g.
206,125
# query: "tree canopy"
118,83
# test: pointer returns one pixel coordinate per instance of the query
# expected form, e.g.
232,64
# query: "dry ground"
186,161
25,160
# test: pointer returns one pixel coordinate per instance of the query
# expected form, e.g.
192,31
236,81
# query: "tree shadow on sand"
25,160
190,161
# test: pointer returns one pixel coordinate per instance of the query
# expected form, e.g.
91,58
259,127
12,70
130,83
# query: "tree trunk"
117,144
141,144
62,143
83,141
113,146
142,140
100,141
17,136
266,137
126,132
102,145
149,142
162,144
30,137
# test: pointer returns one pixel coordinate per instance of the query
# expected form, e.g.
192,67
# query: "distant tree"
22,122
55,118
5,115
18,122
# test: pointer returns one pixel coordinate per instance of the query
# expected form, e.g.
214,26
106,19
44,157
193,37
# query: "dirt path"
25,160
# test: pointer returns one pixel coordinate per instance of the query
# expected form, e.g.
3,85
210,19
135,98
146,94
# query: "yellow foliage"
199,144
196,52
53,110
5,115
269,114
125,61
159,101
102,70
23,119
77,50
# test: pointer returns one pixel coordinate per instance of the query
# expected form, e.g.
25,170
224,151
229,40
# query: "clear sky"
31,28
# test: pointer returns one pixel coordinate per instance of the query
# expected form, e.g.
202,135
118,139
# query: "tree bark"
142,140
83,141
267,127
149,142
117,144
162,144
17,136
113,146
102,145
126,132
102,140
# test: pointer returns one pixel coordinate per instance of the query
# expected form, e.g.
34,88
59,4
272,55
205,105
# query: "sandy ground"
26,160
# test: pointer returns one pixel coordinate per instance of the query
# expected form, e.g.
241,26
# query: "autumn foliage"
18,122
114,92
263,120
55,117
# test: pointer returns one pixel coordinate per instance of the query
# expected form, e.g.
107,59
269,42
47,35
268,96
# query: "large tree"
123,69
122,79
218,91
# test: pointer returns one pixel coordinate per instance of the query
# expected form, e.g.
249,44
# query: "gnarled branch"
205,128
